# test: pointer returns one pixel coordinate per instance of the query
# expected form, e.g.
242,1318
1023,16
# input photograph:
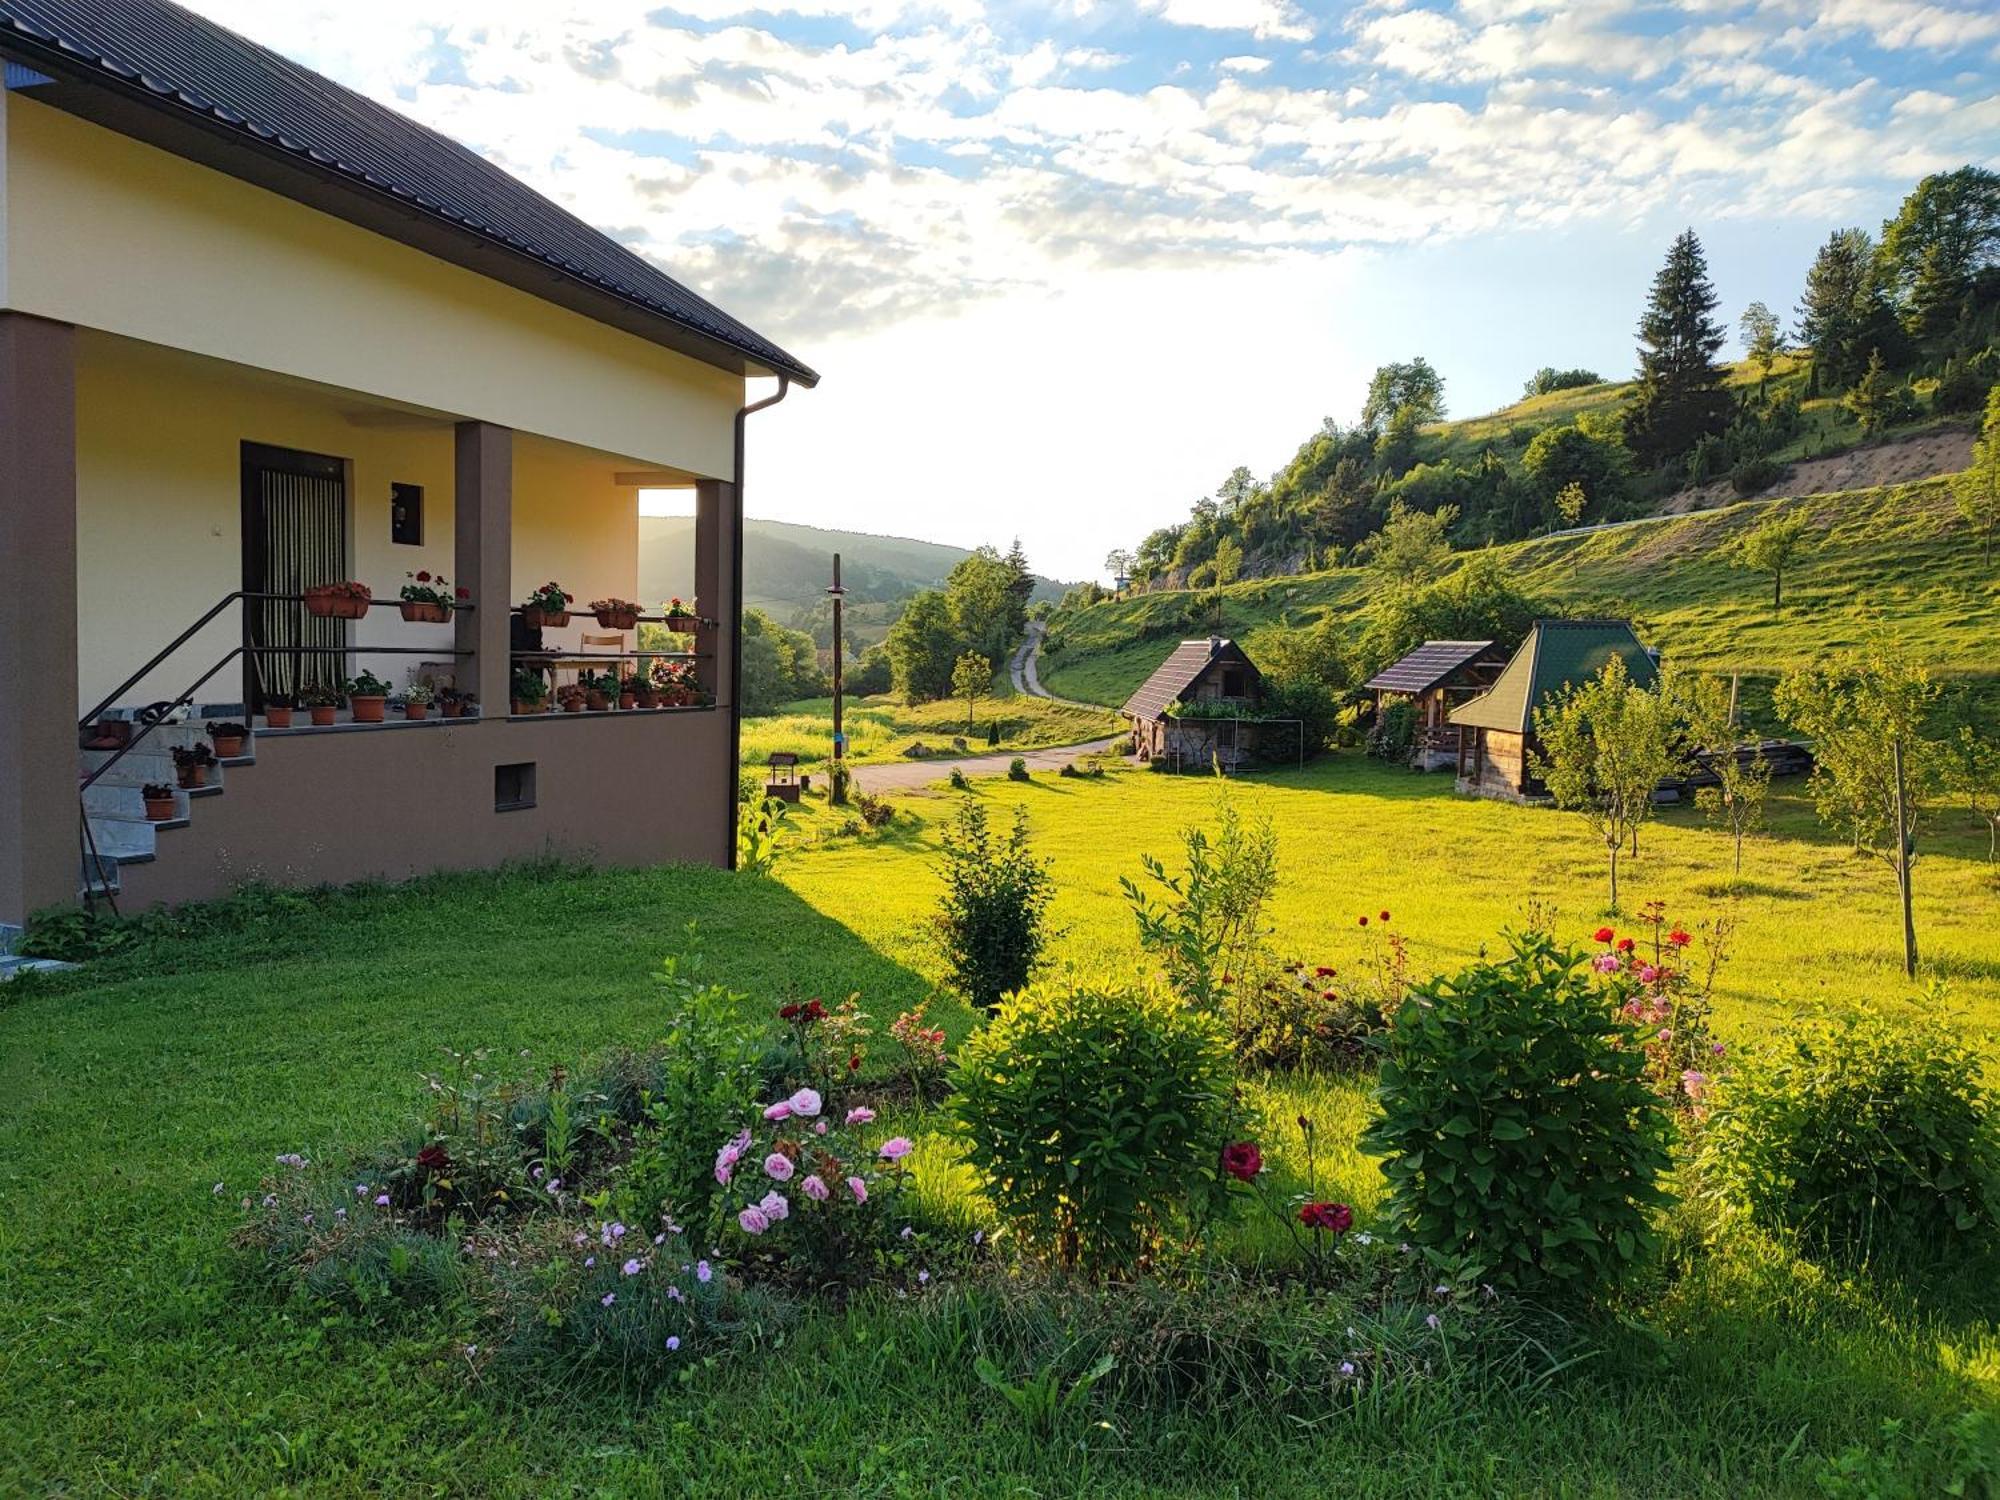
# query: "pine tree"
1680,398
1844,313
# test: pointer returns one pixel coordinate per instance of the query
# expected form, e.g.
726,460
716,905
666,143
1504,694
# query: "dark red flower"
423,575
815,1011
1385,916
463,592
1625,945
1324,972
854,1063
1336,1218
1679,938
1604,934
1364,921
789,1012
434,1158
1329,995
1242,1160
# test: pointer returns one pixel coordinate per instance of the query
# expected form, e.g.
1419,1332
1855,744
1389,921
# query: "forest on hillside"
1891,329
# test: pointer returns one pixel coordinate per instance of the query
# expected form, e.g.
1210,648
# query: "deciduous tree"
1412,546
1760,338
1743,782
971,679
1976,491
1414,387
1773,546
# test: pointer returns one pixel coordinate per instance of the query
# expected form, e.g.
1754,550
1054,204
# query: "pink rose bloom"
1605,963
1647,974
814,1189
1695,1083
861,1114
805,1103
782,1110
774,1206
778,1167
896,1148
752,1221
723,1172
819,1127
859,1188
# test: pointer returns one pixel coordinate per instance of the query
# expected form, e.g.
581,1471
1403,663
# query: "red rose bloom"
1385,916
789,1012
1242,1160
854,1063
815,1011
1364,921
1329,995
1324,972
1679,938
434,1158
1624,945
1604,934
1336,1218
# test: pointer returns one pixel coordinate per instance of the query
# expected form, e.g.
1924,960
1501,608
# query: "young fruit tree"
1971,754
1772,548
1864,710
1977,489
1604,747
990,918
1743,781
971,679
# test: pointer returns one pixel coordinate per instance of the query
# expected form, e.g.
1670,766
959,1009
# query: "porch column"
717,534
483,528
39,863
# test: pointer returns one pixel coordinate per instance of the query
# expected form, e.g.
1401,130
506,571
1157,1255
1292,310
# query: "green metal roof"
1557,654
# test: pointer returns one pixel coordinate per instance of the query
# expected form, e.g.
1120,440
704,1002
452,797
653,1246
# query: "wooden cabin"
1180,715
1497,729
1434,679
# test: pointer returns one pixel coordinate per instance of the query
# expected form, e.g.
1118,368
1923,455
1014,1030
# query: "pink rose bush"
1658,992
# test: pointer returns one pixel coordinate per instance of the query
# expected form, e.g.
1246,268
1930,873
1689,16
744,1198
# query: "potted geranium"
600,690
346,600
452,704
547,606
191,763
160,802
228,739
417,700
278,711
529,690
681,618
676,682
633,690
320,701
428,598
616,614
368,696
570,697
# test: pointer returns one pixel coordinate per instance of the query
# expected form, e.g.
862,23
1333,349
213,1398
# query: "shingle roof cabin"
1180,672
154,71
1556,654
1425,667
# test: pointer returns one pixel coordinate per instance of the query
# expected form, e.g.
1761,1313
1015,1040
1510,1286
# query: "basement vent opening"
514,786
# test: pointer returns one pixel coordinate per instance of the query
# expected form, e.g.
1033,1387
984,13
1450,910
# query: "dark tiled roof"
1427,666
1179,672
1557,654
172,60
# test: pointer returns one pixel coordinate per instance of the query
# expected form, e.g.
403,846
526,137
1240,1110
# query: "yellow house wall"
159,511
108,233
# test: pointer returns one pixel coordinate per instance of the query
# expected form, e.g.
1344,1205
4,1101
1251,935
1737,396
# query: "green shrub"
1394,731
1096,1113
1755,475
990,917
1521,1140
1017,769
1868,1135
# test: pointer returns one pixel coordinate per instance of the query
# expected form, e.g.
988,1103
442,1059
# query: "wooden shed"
1182,714
1434,679
1497,729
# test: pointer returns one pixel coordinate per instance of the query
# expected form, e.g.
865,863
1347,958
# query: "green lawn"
881,728
138,1360
1898,556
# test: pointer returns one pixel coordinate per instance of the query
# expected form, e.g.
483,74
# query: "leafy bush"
1522,1143
1017,769
1755,475
1394,731
1209,924
1096,1112
990,917
1867,1135
1300,1017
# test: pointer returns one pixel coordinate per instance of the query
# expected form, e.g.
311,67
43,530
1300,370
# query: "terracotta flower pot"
649,699
425,612
278,718
192,777
335,606
228,746
572,705
682,624
618,619
541,619
322,713
416,710
596,702
367,708
452,710
159,809
628,700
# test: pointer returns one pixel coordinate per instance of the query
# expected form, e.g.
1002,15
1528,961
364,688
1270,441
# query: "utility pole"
1903,861
836,791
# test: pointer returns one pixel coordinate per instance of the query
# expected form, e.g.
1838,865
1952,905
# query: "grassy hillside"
786,567
1899,554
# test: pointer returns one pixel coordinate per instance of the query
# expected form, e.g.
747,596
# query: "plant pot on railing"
429,598
547,607
616,614
346,600
160,802
681,618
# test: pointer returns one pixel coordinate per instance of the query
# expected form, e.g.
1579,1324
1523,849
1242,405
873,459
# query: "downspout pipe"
735,622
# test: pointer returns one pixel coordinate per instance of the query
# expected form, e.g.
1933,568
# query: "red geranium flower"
1679,938
1242,1160
1625,945
423,575
1337,1218
1604,934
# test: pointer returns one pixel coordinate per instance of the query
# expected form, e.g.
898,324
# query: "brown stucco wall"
620,789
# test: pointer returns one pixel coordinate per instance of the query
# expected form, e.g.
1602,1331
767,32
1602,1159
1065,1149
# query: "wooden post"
837,782
1903,863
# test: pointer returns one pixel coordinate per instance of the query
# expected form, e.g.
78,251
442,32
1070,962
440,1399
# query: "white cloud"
1273,19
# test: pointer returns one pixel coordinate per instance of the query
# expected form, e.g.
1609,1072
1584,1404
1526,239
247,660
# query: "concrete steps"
115,810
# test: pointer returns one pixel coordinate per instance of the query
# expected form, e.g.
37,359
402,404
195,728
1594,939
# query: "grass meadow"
139,1360
881,727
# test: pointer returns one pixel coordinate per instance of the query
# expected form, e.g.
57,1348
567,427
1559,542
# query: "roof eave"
131,109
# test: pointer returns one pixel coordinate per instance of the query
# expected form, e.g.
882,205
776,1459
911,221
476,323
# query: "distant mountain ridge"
787,567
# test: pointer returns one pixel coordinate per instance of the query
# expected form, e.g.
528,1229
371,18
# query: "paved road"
1023,667
902,776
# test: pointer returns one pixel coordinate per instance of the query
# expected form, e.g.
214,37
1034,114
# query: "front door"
294,535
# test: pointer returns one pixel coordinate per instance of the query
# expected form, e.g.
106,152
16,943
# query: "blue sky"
1064,265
